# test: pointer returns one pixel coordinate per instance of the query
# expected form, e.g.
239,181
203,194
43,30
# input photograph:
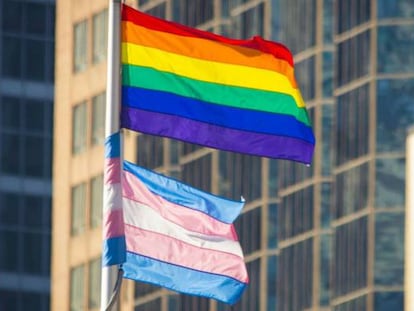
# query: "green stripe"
149,78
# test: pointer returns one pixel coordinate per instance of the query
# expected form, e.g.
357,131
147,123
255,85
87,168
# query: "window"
350,271
198,173
351,191
353,58
79,128
248,227
390,183
80,46
96,201
352,13
352,120
297,24
295,268
396,49
26,136
296,213
100,26
305,73
395,113
249,23
77,292
98,119
196,12
78,209
240,175
11,57
389,249
395,8
94,283
150,151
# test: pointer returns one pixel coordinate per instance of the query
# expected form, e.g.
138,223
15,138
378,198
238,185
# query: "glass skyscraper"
26,129
325,237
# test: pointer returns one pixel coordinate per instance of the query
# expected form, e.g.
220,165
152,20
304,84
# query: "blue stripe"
114,251
174,191
113,146
183,280
231,117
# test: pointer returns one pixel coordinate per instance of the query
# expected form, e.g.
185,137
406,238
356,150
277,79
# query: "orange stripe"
206,49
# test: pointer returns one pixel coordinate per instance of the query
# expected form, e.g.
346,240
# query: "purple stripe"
218,137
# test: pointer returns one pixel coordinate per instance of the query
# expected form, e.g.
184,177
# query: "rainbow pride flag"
198,87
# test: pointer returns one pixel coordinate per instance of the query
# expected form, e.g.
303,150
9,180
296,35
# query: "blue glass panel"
396,49
390,183
389,301
395,8
272,226
389,249
395,113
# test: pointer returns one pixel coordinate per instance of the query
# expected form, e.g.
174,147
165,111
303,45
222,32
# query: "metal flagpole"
112,125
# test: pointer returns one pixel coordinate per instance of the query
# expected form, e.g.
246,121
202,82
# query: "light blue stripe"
182,279
179,193
113,146
114,251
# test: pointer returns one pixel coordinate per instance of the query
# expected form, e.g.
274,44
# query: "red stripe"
278,50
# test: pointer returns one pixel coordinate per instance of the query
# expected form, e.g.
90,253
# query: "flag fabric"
198,87
172,235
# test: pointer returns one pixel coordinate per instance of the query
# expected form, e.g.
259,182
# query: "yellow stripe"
209,71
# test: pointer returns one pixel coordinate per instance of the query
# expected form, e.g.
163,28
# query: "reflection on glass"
389,301
396,49
395,8
351,191
395,113
389,249
390,183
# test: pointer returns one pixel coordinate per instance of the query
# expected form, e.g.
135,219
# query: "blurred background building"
325,237
27,34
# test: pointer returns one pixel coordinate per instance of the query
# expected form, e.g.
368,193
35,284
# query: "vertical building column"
409,228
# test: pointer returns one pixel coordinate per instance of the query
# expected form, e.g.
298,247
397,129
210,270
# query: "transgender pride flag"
170,234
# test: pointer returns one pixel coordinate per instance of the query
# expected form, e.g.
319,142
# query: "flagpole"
112,124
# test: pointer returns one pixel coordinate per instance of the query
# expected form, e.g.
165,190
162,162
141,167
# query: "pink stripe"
113,224
167,249
133,189
112,174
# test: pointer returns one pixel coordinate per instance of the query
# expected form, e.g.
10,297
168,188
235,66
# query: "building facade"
325,237
26,132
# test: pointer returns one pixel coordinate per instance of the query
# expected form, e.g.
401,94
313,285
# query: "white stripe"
112,197
144,217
